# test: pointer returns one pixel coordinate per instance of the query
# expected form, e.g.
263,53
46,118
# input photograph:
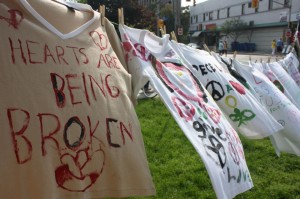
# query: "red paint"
58,92
74,49
255,80
127,46
94,82
81,51
64,176
197,95
15,18
60,52
185,109
69,77
128,132
51,133
85,90
102,58
30,53
140,52
18,137
92,131
12,50
35,52
238,87
213,113
47,53
99,40
111,88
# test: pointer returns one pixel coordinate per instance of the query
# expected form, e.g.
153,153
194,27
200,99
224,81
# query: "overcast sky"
184,3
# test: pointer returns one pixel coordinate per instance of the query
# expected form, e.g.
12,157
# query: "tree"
234,28
134,15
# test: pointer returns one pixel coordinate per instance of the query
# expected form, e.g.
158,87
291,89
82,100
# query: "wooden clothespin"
269,59
163,30
206,48
121,16
173,36
249,57
102,12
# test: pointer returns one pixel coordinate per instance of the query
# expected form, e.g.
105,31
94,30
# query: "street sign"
288,34
180,31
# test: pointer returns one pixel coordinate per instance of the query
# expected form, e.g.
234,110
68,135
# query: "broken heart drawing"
15,18
79,172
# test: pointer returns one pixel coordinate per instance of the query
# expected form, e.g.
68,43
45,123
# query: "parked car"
194,45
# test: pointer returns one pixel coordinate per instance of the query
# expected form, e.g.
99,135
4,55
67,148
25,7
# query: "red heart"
79,173
238,87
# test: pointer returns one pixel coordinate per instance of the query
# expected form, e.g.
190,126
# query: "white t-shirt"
282,80
193,109
282,109
68,126
291,64
242,109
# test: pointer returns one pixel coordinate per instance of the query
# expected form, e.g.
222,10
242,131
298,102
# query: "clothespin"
206,48
261,60
234,54
269,59
121,16
173,36
102,12
249,57
163,30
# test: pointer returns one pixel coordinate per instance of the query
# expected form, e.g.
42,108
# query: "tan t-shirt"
68,126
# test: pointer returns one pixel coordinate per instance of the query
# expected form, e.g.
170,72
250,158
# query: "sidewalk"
256,56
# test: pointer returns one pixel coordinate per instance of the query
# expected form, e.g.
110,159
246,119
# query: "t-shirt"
282,80
291,64
68,126
192,107
242,109
282,109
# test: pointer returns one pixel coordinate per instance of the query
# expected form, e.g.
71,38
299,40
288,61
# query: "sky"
184,3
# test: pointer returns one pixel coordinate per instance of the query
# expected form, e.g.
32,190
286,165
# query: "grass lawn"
178,171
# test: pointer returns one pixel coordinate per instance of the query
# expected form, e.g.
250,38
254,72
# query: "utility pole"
177,13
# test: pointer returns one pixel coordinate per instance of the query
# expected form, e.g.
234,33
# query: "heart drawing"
78,173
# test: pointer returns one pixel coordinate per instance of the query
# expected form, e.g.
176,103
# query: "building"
270,20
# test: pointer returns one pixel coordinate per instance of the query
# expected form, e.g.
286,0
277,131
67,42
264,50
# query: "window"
203,16
218,14
243,9
210,16
250,5
228,12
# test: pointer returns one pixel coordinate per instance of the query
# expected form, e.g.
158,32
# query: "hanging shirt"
291,64
282,109
193,109
282,80
241,108
68,126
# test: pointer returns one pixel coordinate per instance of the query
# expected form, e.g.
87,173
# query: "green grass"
178,171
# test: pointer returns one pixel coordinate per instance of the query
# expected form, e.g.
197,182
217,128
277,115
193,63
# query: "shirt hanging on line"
67,122
192,107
